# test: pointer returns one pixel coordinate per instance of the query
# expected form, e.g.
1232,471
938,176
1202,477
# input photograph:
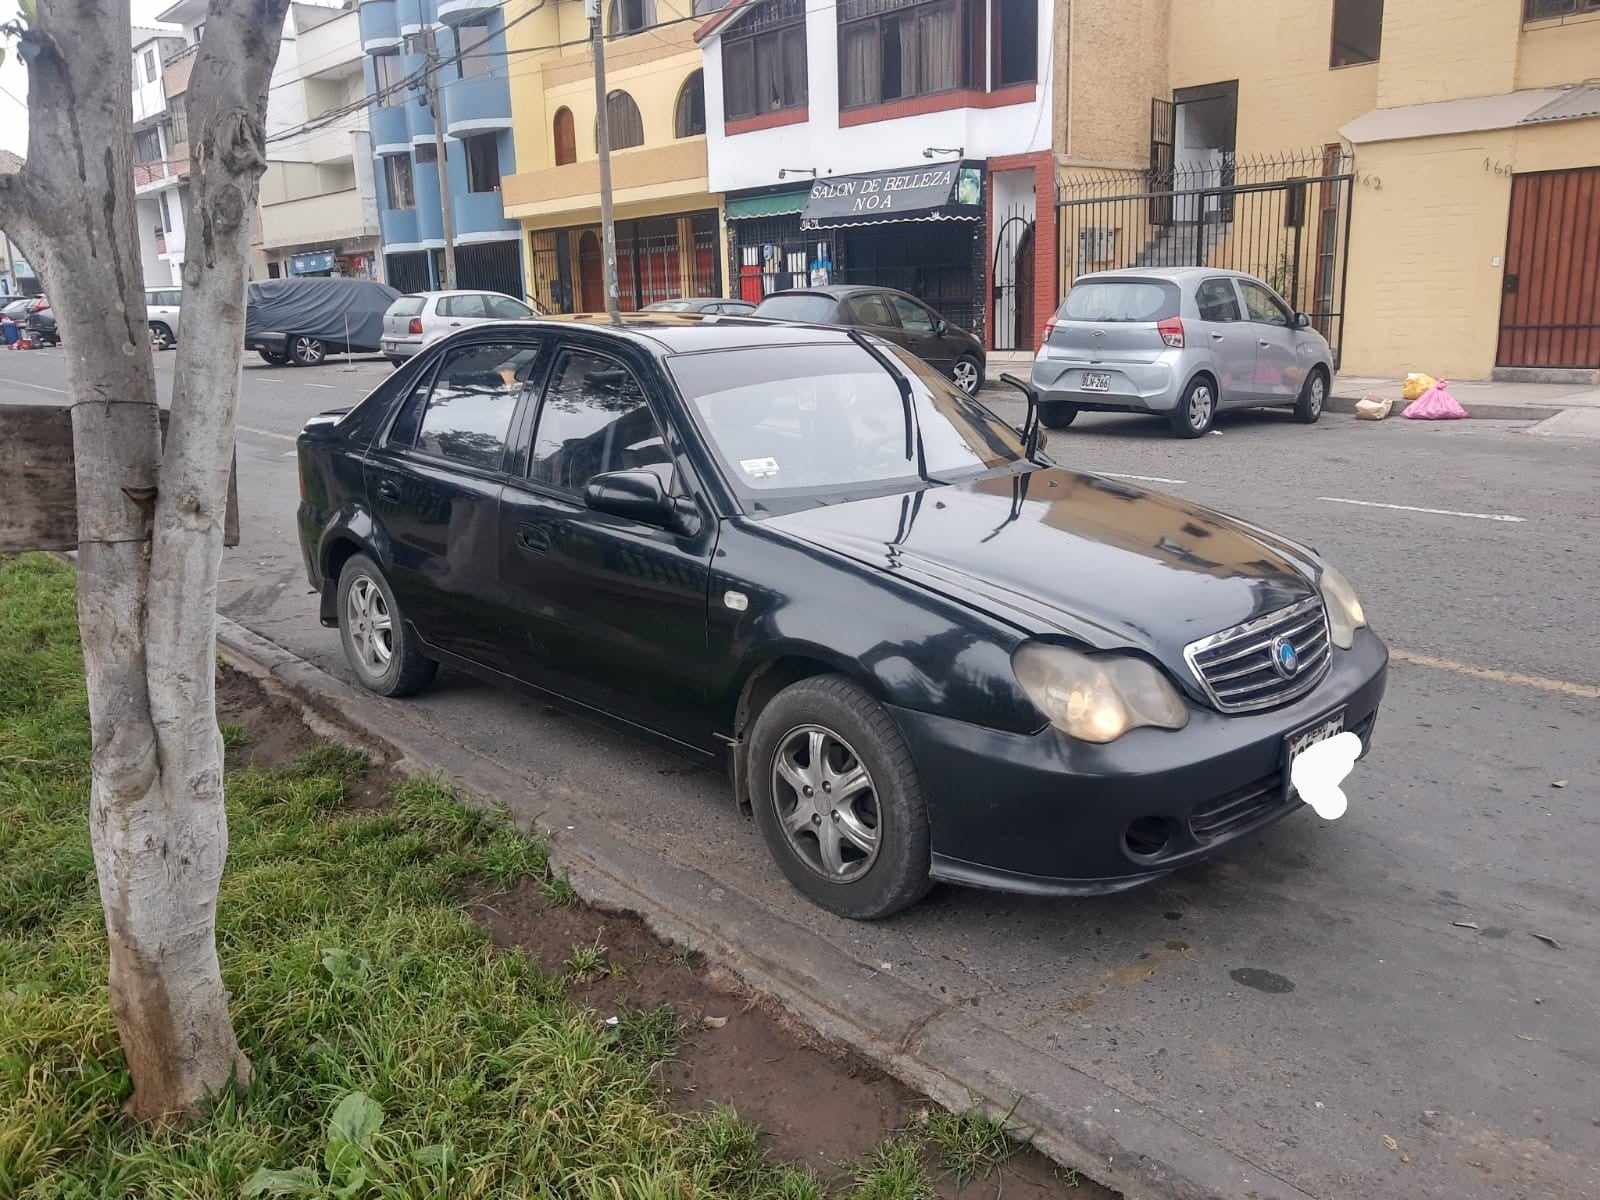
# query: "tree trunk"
150,520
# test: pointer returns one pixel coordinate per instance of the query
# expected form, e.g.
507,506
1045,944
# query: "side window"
465,306
469,409
403,433
1262,305
1216,301
872,309
504,308
594,419
913,316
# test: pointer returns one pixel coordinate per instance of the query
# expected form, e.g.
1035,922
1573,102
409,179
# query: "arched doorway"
1023,293
591,278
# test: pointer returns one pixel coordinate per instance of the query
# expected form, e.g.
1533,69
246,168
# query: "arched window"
690,116
623,122
566,138
630,16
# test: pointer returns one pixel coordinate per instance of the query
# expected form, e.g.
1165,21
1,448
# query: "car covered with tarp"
304,320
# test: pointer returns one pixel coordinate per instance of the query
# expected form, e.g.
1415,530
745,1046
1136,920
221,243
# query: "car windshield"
1121,300
816,424
798,306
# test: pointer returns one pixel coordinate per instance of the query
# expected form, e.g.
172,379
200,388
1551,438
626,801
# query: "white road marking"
1543,683
329,386
1141,478
283,437
1438,512
39,387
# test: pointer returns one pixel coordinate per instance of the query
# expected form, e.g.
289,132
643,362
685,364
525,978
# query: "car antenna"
913,427
1030,429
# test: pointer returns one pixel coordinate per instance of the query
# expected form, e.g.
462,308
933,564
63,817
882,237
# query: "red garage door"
1550,310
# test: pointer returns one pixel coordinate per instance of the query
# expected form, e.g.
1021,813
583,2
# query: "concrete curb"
1478,411
939,1049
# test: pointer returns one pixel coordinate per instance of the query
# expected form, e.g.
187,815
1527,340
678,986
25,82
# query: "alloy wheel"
371,627
308,349
160,339
966,376
1318,390
826,803
1200,404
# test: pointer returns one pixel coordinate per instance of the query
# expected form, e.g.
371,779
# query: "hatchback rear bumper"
1134,387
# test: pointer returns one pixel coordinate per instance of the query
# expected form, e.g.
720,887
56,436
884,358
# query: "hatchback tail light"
1171,331
416,326
1049,328
39,305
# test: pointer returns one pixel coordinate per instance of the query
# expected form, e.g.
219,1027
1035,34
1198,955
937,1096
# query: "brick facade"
1046,278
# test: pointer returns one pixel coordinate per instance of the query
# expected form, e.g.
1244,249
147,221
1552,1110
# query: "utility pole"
608,229
430,47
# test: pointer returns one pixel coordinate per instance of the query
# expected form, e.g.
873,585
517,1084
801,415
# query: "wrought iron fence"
1282,218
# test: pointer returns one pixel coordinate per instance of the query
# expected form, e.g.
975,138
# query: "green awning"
779,205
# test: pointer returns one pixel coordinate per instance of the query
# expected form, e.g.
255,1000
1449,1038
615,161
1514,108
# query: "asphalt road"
1404,1002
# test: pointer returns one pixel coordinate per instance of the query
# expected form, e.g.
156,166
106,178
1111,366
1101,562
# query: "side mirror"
638,496
940,326
1302,321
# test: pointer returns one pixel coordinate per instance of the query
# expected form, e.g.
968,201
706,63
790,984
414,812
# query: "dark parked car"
923,650
40,324
304,320
891,315
715,305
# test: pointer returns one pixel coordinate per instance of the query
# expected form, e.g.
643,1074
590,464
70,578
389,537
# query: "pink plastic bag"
1435,404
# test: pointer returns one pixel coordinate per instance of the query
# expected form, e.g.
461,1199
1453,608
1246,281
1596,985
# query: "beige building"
1422,175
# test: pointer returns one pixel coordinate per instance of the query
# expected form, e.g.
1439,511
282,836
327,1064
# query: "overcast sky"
14,77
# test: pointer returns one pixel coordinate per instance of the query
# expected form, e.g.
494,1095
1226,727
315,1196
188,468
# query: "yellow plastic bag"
1415,385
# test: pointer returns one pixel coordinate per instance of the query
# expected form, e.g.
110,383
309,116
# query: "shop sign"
896,195
311,263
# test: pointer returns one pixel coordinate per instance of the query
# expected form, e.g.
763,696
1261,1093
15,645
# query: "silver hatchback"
1179,343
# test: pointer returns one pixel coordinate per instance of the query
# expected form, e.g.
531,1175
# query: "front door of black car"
612,612
921,337
433,486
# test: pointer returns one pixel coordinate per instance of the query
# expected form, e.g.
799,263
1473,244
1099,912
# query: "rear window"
796,308
406,306
1121,300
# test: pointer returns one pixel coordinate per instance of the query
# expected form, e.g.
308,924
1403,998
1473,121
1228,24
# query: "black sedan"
890,315
923,650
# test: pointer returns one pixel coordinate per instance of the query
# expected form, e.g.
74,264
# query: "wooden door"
591,278
1550,301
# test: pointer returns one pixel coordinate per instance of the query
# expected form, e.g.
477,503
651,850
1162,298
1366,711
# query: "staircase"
1183,244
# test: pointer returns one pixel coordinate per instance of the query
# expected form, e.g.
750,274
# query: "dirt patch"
819,1105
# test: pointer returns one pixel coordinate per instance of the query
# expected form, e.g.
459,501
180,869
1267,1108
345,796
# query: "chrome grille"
1235,666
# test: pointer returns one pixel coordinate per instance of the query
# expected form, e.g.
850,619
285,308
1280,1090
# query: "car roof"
462,292
1171,274
836,290
683,332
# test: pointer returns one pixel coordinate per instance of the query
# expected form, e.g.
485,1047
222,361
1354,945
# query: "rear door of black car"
872,312
611,612
433,482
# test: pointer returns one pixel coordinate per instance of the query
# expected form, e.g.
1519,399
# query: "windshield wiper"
913,426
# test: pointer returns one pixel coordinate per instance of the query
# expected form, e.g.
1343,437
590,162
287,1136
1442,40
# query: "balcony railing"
151,173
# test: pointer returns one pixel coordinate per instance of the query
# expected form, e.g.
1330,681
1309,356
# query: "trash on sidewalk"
1373,407
1435,404
1415,384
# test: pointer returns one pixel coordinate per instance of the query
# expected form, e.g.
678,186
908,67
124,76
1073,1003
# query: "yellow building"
1421,176
669,229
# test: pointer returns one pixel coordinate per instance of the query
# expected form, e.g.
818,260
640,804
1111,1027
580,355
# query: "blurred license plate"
1324,729
1096,381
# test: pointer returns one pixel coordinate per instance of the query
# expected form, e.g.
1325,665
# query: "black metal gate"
407,272
1283,219
491,267
1011,280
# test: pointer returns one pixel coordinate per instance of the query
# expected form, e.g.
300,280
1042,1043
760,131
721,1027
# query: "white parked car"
161,307
422,318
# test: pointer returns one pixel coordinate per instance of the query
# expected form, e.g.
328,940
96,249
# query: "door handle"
388,489
455,324
1263,343
1216,337
535,539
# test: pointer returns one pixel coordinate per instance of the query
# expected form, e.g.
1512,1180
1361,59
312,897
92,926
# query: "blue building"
475,100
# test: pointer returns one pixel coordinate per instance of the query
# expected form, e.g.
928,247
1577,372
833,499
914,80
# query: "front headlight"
1096,699
1344,608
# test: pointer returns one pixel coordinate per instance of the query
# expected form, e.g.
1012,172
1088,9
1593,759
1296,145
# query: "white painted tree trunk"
150,520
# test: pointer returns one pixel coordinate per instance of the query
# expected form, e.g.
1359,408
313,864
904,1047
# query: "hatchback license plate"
1096,381
1294,743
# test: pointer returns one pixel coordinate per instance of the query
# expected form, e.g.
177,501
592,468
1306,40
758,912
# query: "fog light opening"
1147,837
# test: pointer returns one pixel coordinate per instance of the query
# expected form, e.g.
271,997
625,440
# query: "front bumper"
1134,387
1044,814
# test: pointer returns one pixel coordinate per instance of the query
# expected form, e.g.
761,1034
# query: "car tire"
888,809
967,374
378,644
276,360
1313,397
307,351
1058,414
1197,409
161,336
396,363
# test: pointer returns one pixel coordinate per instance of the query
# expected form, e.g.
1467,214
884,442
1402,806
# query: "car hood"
1061,552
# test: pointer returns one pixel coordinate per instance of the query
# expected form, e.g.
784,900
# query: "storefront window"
764,61
893,49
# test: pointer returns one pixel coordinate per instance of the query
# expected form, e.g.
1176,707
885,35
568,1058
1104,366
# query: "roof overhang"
1474,114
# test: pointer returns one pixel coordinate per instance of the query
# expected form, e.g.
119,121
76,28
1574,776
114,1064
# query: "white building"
899,142
318,213
160,156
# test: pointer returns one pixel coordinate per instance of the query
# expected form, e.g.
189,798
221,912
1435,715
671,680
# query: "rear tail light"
415,326
1171,331
1049,328
39,306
